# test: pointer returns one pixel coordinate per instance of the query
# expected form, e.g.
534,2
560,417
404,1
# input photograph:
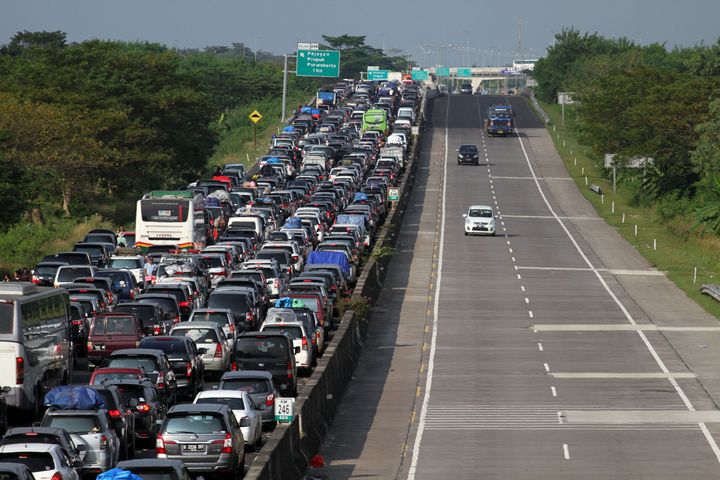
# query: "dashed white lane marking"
527,300
531,314
522,287
519,277
540,347
547,367
678,389
566,451
553,390
513,259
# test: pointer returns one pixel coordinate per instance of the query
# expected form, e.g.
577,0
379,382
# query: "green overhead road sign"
442,72
377,74
318,63
464,72
420,75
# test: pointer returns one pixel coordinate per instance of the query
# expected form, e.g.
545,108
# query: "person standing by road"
149,270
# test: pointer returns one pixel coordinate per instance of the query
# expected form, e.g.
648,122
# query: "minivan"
272,352
110,332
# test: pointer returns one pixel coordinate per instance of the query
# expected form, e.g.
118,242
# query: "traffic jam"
215,306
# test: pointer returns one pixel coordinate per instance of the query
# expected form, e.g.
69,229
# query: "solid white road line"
433,339
540,347
624,327
681,393
566,451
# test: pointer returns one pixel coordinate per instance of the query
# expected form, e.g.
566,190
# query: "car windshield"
91,249
232,402
468,149
46,270
114,326
480,212
173,349
31,437
99,378
293,333
154,473
149,364
198,335
70,274
234,301
125,263
130,392
213,262
79,424
197,424
146,315
220,318
7,312
35,461
261,347
250,385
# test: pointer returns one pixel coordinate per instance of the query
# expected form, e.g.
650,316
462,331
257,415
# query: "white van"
35,342
256,222
406,112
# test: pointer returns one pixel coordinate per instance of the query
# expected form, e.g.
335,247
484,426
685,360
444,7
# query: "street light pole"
284,92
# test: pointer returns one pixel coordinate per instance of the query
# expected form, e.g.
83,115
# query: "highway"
550,351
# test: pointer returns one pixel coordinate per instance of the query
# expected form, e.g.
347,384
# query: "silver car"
208,336
206,437
259,385
92,428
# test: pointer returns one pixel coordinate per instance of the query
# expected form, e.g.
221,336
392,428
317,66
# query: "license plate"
98,346
193,448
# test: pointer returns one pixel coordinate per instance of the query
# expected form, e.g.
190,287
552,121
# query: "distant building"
521,65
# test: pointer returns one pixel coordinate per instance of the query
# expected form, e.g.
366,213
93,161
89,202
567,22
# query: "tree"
25,40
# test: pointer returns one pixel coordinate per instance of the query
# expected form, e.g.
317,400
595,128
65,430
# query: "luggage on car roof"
73,397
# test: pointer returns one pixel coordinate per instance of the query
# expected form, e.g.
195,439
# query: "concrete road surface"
550,351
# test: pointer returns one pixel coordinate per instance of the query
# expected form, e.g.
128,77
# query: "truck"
499,120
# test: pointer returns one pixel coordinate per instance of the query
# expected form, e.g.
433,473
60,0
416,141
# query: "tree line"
646,101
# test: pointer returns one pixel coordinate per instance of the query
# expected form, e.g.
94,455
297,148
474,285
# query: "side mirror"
216,387
464,215
202,351
245,422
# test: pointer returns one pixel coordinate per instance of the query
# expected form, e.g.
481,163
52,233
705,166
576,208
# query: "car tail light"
176,319
156,330
103,442
249,317
289,370
226,444
77,322
232,327
188,369
295,258
89,345
269,400
19,370
314,338
233,366
161,380
143,408
304,343
184,304
277,283
114,413
56,476
35,280
218,351
132,294
160,444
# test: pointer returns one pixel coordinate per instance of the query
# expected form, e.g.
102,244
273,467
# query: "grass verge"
236,144
688,258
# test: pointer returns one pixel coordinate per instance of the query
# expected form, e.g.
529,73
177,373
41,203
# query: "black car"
145,404
99,254
468,154
271,352
167,302
184,358
150,315
156,365
120,418
79,327
157,468
181,294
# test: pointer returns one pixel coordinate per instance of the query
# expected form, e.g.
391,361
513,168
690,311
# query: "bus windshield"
171,211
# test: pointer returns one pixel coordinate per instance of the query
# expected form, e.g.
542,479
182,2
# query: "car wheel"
466,234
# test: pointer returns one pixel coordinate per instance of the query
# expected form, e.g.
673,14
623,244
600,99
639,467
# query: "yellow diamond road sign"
255,116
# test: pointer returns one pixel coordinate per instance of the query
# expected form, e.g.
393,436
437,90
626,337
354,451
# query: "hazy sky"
430,31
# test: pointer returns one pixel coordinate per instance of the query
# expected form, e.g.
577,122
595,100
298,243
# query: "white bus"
35,342
171,218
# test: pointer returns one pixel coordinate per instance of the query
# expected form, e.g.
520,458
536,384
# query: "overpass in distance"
550,351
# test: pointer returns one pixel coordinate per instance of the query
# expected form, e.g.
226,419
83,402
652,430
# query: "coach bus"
170,218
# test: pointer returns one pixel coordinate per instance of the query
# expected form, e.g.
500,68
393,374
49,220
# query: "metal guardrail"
538,108
711,289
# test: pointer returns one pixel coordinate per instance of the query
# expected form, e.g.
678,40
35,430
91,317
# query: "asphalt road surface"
550,351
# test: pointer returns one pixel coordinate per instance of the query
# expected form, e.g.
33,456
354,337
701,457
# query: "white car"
133,263
479,220
243,407
45,461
